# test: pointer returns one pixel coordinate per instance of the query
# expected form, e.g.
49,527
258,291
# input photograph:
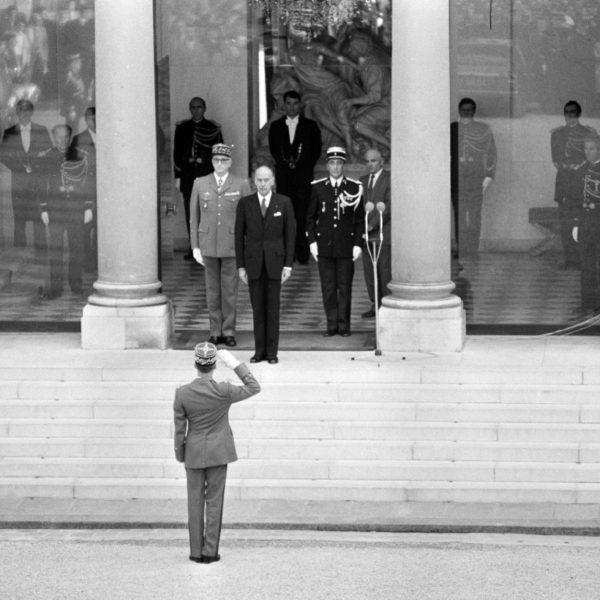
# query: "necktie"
263,206
219,183
371,181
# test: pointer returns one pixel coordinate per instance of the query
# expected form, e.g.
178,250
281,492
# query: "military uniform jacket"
566,147
212,214
473,153
335,228
65,190
200,153
589,198
203,436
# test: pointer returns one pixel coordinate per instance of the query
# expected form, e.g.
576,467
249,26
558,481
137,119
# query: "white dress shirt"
292,124
26,136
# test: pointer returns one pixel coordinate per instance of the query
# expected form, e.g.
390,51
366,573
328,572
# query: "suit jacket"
183,144
335,229
203,436
268,241
212,214
380,193
305,149
21,163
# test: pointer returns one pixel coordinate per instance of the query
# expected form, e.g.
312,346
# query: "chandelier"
314,14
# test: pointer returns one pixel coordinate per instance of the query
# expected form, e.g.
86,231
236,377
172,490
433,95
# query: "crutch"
374,253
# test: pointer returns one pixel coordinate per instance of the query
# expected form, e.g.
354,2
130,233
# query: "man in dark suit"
21,145
192,153
295,144
204,442
85,143
335,224
377,188
265,232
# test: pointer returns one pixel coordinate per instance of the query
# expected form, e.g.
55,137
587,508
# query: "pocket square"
277,214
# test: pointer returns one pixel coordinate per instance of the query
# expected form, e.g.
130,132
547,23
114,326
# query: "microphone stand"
374,253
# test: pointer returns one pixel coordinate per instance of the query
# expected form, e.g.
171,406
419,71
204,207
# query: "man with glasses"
568,156
192,157
472,168
213,207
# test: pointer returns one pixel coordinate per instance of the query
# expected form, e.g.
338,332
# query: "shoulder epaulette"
353,180
318,180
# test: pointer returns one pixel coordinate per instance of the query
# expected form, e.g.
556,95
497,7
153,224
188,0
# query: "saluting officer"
213,206
335,224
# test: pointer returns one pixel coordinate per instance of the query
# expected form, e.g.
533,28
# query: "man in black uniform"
566,145
192,153
295,144
587,225
66,204
334,226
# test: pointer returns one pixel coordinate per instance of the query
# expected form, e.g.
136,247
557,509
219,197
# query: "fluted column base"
421,318
124,327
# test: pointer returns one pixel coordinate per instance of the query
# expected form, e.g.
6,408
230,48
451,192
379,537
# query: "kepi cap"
336,152
205,354
221,150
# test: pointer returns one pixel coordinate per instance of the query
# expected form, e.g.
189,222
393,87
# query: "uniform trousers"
470,199
75,239
336,286
265,298
221,294
185,186
25,206
566,217
205,493
384,272
589,241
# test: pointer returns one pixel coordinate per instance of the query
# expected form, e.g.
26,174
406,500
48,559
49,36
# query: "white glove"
486,183
228,358
314,250
356,252
243,275
45,218
88,216
575,234
285,274
178,184
198,256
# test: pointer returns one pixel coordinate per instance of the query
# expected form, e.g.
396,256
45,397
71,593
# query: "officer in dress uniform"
566,145
192,153
204,443
472,169
212,227
335,224
587,225
66,204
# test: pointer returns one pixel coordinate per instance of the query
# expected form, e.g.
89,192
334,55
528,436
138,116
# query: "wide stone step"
316,449
311,430
358,470
327,411
304,490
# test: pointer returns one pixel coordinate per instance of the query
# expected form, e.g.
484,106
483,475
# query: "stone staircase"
333,427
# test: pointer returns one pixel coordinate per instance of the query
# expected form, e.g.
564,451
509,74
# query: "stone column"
127,309
421,314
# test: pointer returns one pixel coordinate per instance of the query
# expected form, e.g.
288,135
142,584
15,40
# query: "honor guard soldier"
335,224
568,156
587,225
66,204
